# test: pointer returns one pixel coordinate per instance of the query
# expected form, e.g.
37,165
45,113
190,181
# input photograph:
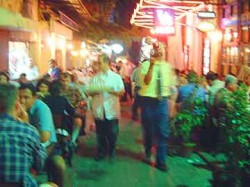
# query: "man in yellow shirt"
157,79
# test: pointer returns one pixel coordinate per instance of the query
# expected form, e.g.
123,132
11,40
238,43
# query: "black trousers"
106,135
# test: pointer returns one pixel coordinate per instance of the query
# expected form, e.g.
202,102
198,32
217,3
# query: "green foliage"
193,115
238,127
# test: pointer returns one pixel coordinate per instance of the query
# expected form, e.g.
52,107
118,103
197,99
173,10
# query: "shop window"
19,60
230,55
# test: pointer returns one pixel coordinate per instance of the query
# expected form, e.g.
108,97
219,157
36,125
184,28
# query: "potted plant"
238,135
187,119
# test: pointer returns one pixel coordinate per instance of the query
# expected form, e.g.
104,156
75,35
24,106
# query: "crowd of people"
34,116
51,109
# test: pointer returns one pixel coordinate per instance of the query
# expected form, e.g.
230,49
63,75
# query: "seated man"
20,146
40,116
63,114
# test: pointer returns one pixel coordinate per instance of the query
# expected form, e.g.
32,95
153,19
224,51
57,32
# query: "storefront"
54,39
18,38
236,37
28,43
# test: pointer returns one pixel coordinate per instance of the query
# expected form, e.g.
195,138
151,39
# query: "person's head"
148,40
65,79
74,77
52,63
27,95
55,88
8,98
103,62
158,51
211,76
192,77
177,72
182,80
22,78
43,86
4,77
95,67
47,77
231,83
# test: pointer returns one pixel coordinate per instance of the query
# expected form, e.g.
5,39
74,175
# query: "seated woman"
42,88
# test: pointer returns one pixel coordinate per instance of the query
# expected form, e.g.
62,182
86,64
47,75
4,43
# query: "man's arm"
119,89
39,154
45,121
148,77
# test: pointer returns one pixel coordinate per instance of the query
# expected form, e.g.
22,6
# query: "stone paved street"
128,170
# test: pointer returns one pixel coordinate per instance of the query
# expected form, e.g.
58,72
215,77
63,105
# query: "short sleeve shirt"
167,76
40,116
105,104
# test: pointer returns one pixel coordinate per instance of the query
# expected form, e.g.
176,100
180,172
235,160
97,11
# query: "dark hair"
46,76
42,81
177,71
52,61
156,50
28,86
55,88
65,75
5,74
105,58
8,96
23,74
211,76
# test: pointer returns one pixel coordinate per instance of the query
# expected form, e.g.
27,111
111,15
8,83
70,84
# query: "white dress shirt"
105,104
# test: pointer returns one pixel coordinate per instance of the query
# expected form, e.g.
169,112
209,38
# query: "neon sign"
164,22
206,14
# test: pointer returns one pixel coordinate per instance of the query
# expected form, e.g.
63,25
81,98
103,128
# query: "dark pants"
128,90
155,120
136,104
106,134
55,166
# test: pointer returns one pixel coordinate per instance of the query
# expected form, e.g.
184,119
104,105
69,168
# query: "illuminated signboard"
164,22
206,14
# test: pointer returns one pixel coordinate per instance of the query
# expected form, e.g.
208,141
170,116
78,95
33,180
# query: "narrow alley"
128,169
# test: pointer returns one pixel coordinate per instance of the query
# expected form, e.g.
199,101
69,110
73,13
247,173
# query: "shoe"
73,146
162,167
147,159
99,158
135,117
112,159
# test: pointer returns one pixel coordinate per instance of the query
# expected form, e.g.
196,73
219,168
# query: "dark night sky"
123,12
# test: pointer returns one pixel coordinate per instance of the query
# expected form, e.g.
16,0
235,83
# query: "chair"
11,184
